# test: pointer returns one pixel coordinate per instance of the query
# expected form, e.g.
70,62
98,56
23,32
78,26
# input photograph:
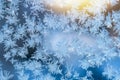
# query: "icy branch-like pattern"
43,41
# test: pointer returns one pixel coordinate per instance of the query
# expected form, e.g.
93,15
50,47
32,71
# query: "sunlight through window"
66,5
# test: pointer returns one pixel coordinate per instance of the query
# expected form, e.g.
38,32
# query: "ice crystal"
51,40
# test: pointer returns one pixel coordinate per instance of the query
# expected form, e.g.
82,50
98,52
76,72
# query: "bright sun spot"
64,5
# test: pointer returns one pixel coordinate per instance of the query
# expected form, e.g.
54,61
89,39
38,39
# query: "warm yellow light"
64,5
67,3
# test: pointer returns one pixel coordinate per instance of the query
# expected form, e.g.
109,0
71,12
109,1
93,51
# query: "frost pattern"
42,43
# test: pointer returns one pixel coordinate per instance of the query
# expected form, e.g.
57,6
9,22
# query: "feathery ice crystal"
59,40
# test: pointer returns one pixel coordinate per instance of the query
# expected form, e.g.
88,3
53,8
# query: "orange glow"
66,5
